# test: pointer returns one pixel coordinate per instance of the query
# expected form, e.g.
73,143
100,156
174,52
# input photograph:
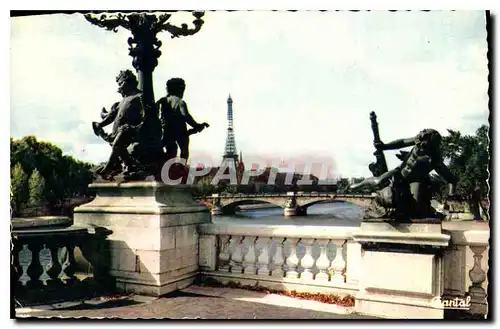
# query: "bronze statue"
174,118
405,191
131,152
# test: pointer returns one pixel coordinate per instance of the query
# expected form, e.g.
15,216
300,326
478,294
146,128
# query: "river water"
334,212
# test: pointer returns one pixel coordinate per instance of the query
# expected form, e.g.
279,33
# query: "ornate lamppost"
144,48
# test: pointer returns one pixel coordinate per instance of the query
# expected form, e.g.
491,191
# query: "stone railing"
43,262
281,257
466,264
326,259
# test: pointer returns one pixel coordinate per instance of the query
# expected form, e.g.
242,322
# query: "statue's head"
176,86
429,139
127,81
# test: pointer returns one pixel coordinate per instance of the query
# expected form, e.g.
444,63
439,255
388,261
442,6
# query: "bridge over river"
292,203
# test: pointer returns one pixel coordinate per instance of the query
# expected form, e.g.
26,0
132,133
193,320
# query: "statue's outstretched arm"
399,143
110,117
189,119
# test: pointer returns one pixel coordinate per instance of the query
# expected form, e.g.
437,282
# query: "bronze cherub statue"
405,192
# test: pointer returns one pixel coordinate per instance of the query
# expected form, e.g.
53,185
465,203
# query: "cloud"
302,83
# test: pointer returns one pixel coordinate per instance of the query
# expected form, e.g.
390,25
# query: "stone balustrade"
466,264
58,276
326,259
282,257
299,256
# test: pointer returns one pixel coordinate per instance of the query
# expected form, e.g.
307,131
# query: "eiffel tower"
230,149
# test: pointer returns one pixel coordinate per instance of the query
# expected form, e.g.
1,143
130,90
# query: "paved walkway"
194,303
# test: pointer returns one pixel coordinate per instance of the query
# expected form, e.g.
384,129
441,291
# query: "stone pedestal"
402,269
154,244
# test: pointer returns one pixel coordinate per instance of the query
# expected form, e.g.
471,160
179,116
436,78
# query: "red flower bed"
347,301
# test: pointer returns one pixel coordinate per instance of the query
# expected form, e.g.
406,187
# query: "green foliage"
63,176
342,185
203,187
19,188
36,184
467,157
231,189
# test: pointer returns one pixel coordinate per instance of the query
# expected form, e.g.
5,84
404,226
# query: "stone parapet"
402,269
417,234
141,198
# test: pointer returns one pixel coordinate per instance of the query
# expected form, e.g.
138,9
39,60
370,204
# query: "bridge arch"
229,206
344,209
323,201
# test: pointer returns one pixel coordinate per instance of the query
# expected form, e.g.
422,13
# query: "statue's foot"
108,176
105,173
135,173
98,170
135,176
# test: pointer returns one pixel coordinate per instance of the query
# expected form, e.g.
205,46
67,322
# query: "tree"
36,184
64,176
19,188
468,158
203,187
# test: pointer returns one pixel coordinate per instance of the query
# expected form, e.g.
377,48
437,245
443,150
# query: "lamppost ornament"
112,21
144,46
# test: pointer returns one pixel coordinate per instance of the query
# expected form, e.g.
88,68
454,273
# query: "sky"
302,83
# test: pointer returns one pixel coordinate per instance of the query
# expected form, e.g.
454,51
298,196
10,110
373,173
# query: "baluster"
322,263
338,264
237,256
278,259
18,269
54,267
224,253
263,260
292,261
249,259
69,266
477,276
35,269
307,262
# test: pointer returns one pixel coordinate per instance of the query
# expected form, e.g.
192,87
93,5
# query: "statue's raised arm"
396,144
